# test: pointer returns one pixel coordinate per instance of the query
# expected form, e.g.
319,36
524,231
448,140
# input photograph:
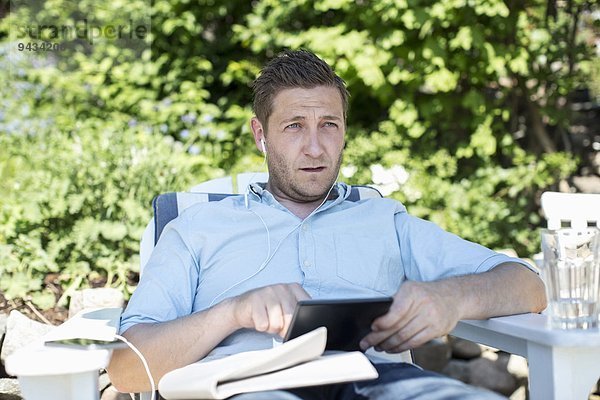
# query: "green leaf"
113,230
43,300
483,140
441,80
463,39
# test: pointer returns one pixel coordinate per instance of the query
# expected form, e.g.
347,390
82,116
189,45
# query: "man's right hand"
269,308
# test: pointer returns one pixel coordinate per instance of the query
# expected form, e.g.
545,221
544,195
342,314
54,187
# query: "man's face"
304,141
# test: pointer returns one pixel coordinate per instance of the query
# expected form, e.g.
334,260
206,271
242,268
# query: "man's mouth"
313,169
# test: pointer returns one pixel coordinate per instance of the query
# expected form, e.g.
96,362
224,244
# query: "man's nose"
313,147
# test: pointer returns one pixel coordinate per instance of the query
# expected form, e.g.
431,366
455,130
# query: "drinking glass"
571,272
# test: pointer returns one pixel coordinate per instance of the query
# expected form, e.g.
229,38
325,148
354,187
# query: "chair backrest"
575,209
167,206
227,184
221,186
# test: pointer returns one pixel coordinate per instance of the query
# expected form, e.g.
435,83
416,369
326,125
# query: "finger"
260,318
419,339
275,317
289,305
401,338
399,314
299,292
287,321
376,337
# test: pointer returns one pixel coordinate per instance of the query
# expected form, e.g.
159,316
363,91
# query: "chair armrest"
513,333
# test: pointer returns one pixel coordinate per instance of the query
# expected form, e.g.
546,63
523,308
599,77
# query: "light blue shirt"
345,249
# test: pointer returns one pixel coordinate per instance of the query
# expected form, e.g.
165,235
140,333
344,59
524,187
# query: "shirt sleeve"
167,288
429,253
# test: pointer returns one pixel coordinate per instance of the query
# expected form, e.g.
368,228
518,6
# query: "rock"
457,369
484,373
518,366
6,396
587,184
21,331
563,186
9,389
3,319
94,298
464,349
520,393
492,375
433,355
508,252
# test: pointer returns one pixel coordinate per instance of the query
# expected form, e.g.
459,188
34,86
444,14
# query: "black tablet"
347,321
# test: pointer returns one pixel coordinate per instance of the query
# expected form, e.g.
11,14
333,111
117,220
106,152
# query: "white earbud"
264,148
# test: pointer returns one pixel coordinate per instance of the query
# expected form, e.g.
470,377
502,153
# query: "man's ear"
258,132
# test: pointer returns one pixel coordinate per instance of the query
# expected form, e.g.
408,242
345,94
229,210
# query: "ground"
54,316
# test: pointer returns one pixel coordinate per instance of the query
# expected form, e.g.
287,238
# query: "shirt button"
304,228
306,264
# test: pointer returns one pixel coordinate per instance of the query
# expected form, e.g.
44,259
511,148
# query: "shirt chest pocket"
368,261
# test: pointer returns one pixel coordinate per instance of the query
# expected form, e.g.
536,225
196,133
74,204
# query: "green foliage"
452,103
75,203
77,190
442,89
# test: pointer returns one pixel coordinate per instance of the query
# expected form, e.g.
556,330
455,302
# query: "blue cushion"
167,206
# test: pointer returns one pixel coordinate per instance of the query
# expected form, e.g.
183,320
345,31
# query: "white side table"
563,364
54,373
57,374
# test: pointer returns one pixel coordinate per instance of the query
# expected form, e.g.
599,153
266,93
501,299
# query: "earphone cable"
269,254
144,363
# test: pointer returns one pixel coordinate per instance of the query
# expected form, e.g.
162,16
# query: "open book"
296,363
89,323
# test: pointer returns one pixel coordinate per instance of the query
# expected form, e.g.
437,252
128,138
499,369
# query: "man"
225,276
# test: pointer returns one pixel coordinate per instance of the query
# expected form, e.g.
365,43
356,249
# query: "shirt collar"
258,191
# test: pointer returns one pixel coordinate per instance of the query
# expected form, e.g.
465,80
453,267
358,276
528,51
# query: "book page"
201,379
335,368
91,323
308,346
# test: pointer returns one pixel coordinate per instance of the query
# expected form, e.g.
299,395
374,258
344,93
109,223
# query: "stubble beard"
307,191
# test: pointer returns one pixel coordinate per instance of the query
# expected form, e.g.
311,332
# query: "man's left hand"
420,312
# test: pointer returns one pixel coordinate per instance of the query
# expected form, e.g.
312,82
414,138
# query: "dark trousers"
396,381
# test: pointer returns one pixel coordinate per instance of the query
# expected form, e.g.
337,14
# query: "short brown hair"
293,69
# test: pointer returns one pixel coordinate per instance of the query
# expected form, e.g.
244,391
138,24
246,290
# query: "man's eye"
330,124
295,125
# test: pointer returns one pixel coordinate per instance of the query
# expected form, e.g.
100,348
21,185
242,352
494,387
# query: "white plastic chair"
563,364
575,210
168,205
578,210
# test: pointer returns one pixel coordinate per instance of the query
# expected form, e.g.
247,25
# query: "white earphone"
264,147
270,254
